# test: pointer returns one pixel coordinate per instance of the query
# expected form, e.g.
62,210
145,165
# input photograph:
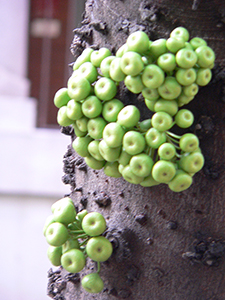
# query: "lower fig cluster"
75,237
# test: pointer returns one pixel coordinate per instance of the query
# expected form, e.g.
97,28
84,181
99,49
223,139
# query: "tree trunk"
166,245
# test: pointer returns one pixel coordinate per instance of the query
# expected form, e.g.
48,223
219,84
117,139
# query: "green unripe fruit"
94,163
54,255
73,260
203,76
131,63
99,248
163,171
111,169
197,42
170,107
192,163
80,145
129,176
134,84
189,142
174,44
70,244
180,32
138,41
61,97
170,89
133,142
62,118
74,111
115,71
88,71
84,57
92,283
184,118
93,149
108,153
141,165
158,47
152,76
111,110
150,94
95,127
56,234
180,182
205,56
166,151
129,116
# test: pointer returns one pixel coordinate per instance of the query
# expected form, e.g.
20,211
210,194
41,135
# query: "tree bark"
166,245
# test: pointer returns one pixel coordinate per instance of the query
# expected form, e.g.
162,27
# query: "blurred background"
34,57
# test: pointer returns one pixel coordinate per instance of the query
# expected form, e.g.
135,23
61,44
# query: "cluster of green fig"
73,237
109,135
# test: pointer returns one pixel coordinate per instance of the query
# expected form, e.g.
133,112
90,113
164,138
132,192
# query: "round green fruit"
189,142
111,110
54,255
97,56
95,127
131,63
170,89
115,71
78,88
133,142
88,71
163,171
113,134
94,163
93,149
99,248
154,138
129,176
111,169
108,153
166,151
64,212
61,97
56,234
91,107
138,41
128,116
105,89
184,118
92,283
94,224
152,76
162,121
180,182
80,145
73,260
141,165
192,162
180,32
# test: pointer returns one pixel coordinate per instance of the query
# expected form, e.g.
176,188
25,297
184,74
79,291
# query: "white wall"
30,166
24,263
13,24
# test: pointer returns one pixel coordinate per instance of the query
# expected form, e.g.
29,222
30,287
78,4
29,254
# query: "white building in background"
30,166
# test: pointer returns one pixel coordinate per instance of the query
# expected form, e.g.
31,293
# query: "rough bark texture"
167,246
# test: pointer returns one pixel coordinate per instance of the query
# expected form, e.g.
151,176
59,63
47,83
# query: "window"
50,36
